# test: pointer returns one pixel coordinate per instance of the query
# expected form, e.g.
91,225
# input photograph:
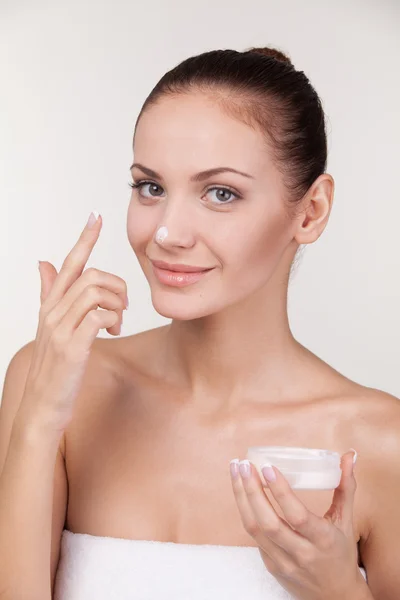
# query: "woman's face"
235,225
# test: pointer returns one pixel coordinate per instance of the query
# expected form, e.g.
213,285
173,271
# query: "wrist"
360,592
34,432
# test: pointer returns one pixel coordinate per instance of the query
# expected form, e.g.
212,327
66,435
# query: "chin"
181,308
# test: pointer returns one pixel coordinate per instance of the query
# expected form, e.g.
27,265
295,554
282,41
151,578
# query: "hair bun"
273,52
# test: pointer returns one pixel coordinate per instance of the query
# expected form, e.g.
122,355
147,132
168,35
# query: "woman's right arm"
33,495
42,383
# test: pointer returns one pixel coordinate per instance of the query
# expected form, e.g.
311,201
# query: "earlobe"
318,204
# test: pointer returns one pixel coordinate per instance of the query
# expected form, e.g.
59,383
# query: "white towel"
106,568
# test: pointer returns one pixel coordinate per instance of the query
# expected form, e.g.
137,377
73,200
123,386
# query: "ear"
317,205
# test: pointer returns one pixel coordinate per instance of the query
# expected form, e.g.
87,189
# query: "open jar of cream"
304,468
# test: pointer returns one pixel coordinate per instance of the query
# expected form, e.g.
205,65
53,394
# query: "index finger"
75,261
295,512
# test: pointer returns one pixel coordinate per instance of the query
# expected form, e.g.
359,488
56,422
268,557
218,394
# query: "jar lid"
311,468
297,452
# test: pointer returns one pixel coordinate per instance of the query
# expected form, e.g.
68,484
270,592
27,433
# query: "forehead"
193,131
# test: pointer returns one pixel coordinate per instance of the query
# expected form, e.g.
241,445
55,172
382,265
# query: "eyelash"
140,184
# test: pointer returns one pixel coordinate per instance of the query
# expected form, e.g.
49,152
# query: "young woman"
119,457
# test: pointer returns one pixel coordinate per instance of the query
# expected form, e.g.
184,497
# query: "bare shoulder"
111,357
115,366
379,468
371,425
378,418
380,430
370,418
130,353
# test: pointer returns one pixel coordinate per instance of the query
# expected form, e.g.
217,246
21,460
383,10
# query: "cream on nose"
161,234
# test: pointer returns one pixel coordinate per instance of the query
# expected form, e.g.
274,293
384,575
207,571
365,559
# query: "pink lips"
177,275
178,267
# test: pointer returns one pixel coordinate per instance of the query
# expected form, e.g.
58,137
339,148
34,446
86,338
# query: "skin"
177,403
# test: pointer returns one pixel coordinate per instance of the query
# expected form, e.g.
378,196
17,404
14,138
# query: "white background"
74,76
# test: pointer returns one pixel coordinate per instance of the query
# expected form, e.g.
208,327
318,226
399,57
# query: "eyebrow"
197,177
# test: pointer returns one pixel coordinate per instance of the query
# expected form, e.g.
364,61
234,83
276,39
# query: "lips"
173,275
179,268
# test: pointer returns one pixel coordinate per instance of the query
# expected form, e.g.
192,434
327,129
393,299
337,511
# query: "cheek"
140,227
252,252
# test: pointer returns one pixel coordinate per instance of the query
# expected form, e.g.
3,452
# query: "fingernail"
355,455
268,472
234,466
127,302
244,468
94,215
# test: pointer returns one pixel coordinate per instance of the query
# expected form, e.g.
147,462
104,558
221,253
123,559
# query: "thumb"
341,509
48,274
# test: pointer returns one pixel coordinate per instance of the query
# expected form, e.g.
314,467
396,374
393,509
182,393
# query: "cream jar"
304,468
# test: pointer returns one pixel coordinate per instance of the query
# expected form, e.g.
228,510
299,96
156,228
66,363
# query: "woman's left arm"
380,551
315,558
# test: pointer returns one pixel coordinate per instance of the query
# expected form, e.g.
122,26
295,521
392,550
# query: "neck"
245,351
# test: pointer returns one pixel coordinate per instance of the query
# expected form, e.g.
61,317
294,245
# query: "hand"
312,557
68,324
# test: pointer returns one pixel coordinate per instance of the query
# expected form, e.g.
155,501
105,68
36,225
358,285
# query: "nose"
175,230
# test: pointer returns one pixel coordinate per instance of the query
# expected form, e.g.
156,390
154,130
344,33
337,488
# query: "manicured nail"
234,466
355,455
268,472
94,215
245,468
127,302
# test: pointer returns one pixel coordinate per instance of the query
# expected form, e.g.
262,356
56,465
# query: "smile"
178,278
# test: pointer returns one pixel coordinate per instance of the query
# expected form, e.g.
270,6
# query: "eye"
221,198
140,184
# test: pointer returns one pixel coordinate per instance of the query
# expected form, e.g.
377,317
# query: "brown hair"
262,88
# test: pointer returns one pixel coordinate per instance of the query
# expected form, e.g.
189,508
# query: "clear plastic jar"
304,468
